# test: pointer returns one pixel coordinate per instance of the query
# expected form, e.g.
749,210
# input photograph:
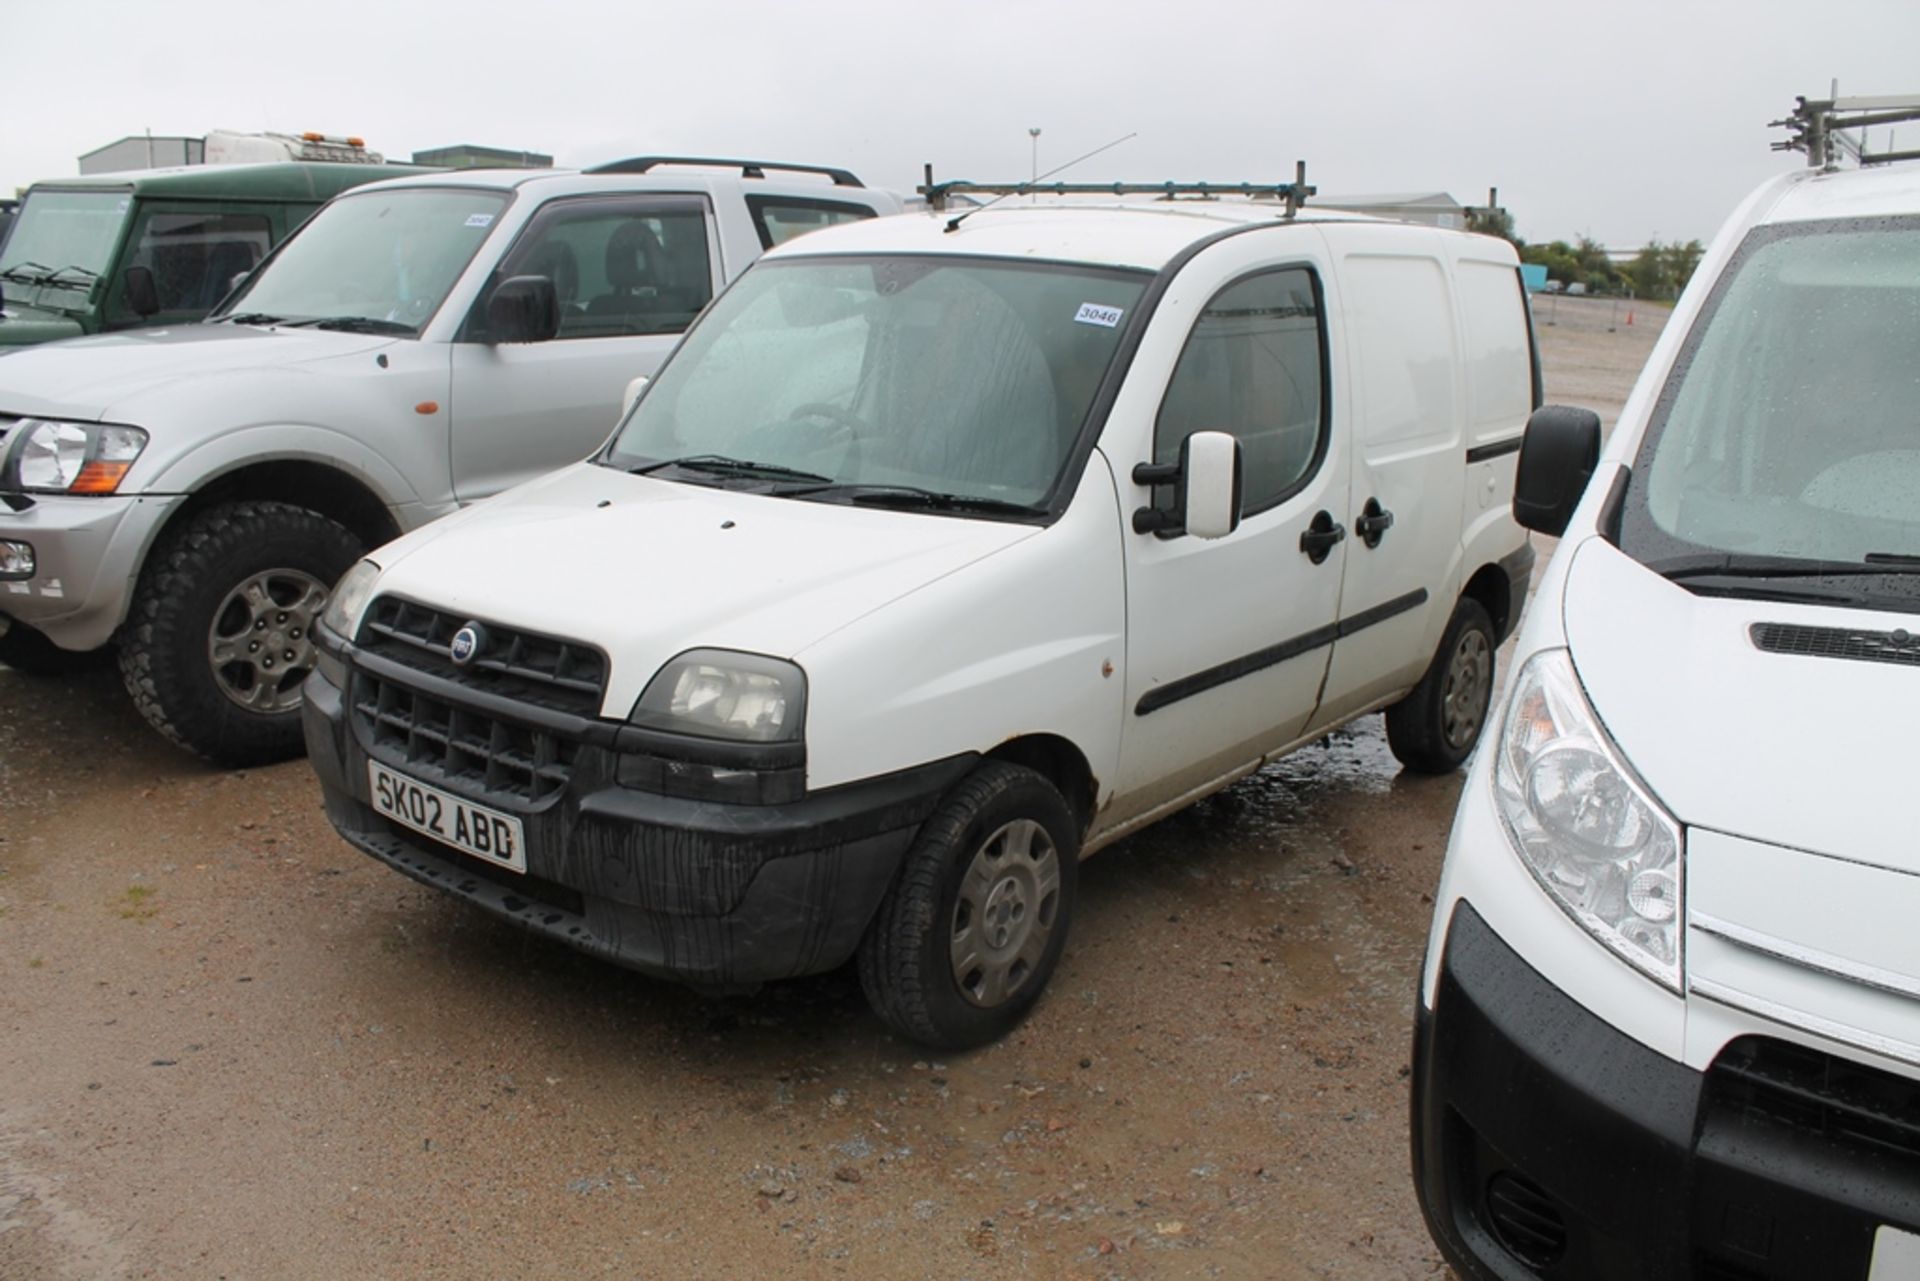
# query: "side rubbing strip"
1481,453
1200,682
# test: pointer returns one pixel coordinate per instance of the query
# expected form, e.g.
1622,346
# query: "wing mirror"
1557,458
523,309
632,394
141,294
1208,488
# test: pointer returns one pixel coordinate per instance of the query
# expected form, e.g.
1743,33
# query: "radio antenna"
953,223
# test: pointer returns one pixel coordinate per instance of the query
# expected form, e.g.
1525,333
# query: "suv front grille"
447,744
545,671
1819,1093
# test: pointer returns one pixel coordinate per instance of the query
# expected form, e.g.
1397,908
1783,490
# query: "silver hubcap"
261,641
1469,683
1009,900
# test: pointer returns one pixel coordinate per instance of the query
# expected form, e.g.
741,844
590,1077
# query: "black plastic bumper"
1547,1144
709,893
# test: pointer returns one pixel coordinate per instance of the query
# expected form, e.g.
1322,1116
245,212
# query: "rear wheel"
973,927
1436,726
219,639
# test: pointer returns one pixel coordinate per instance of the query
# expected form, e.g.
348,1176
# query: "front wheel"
220,636
1436,726
972,929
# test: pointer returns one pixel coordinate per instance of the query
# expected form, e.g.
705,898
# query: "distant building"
144,152
1431,208
469,155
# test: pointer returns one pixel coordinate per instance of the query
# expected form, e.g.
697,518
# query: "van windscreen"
864,377
1787,440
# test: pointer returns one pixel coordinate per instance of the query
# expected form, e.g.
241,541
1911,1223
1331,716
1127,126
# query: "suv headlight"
73,458
717,693
1584,826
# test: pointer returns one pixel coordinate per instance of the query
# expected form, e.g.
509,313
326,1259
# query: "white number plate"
1896,1256
481,832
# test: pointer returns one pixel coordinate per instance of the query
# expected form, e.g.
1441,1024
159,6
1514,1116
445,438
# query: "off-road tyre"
1436,726
906,959
164,647
28,651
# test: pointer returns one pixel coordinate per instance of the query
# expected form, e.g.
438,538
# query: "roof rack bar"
1294,193
747,168
1817,127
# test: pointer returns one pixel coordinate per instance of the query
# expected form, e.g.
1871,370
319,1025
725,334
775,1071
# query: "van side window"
194,256
620,267
779,219
1254,366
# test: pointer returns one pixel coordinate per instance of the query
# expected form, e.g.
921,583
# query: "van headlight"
349,600
54,457
1593,837
717,693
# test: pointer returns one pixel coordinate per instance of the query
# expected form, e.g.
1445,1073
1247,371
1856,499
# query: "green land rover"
153,247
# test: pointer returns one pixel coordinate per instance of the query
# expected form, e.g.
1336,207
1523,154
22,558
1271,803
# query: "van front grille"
467,751
559,675
1818,1093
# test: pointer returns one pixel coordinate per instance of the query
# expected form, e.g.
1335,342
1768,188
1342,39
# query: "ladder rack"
1817,126
1292,194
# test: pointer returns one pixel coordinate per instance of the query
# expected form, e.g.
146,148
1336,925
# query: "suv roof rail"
747,168
1294,193
1818,127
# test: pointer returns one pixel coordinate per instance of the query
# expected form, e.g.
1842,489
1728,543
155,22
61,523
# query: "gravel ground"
232,1047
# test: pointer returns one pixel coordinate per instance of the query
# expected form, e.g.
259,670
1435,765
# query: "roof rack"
747,168
1817,126
1294,193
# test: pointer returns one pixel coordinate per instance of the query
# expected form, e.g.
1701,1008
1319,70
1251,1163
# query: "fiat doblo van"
945,550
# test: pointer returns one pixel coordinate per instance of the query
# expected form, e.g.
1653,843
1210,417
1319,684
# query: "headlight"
74,458
1583,825
349,599
718,693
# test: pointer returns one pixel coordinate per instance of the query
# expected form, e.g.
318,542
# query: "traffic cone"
1629,317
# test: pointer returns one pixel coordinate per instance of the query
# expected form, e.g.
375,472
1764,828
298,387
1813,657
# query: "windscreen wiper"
721,465
250,318
1684,568
19,273
357,325
912,496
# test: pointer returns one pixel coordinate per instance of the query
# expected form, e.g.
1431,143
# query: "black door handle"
1318,539
1373,522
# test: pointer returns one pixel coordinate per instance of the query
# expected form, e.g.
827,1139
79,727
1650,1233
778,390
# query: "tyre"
30,652
220,634
1437,725
972,928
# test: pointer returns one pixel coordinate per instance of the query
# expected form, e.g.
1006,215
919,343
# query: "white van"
1670,1019
944,551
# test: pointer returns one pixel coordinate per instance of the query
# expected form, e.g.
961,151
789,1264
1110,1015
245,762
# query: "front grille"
1818,1093
527,667
1526,1220
445,743
1858,644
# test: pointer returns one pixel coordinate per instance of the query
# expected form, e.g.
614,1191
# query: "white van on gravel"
1670,1019
947,549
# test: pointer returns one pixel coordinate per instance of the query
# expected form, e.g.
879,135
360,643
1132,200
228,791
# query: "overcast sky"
1625,121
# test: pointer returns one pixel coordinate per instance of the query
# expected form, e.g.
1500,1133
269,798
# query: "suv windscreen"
380,260
62,241
1786,444
884,379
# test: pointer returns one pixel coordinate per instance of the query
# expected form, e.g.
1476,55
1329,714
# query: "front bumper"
709,893
87,555
1546,1144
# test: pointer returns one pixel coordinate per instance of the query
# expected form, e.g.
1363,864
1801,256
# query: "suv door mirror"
1557,457
141,294
523,309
